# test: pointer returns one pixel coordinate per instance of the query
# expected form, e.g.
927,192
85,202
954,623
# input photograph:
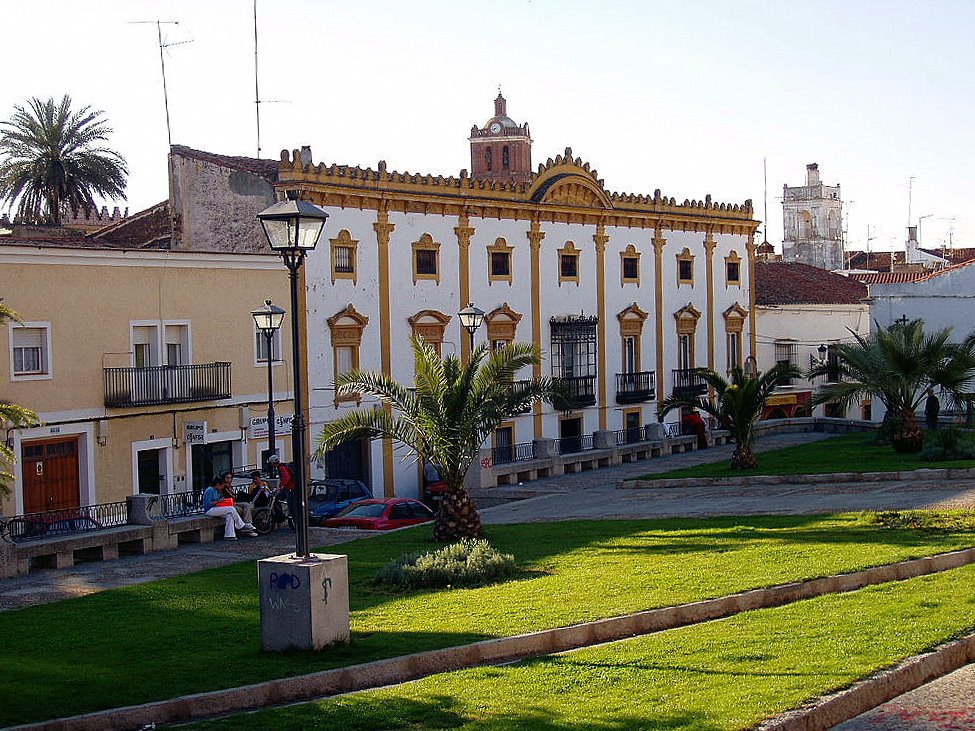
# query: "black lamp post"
268,320
293,228
470,319
822,352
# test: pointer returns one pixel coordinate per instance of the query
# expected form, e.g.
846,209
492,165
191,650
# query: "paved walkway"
943,704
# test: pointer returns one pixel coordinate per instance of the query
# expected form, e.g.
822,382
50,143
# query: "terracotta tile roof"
792,283
267,169
879,261
955,256
148,229
888,277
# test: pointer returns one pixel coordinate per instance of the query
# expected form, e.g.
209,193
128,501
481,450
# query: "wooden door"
51,475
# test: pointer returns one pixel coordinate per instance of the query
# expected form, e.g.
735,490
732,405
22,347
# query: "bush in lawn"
470,562
947,444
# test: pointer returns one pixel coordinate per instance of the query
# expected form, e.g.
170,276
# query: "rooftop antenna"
257,92
765,194
910,190
162,63
846,233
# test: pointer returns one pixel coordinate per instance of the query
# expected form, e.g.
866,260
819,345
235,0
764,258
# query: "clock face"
495,128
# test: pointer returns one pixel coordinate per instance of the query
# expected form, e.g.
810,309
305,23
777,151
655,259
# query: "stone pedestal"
304,602
603,439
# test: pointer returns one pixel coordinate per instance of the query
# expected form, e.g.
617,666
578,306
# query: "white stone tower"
812,216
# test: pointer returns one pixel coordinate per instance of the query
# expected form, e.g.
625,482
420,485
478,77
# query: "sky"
688,97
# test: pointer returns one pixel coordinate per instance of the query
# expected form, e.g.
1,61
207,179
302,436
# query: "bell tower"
502,148
811,222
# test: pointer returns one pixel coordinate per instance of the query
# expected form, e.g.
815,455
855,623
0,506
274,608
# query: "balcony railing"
689,380
513,453
571,445
166,384
54,523
579,391
634,434
632,388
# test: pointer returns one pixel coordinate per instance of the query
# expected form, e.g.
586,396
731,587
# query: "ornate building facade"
623,294
812,216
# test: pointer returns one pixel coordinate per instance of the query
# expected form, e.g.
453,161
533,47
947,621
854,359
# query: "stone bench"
64,551
719,437
193,529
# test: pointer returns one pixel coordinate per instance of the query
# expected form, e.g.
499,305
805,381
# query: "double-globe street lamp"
268,320
293,228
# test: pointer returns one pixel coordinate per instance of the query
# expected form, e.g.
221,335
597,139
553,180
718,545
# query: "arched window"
488,159
505,158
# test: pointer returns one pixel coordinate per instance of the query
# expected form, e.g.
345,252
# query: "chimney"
912,255
812,174
306,155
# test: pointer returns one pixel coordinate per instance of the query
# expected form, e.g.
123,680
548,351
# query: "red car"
385,514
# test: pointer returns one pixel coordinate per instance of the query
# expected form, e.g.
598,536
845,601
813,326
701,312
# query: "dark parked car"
385,514
330,497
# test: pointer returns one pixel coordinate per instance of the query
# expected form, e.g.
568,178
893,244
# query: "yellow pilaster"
709,244
535,236
752,335
383,229
658,298
464,232
600,238
303,350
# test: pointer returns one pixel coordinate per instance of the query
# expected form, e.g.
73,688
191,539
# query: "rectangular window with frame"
426,261
832,364
30,356
734,350
344,259
500,264
733,272
631,269
574,347
569,266
261,350
785,355
685,271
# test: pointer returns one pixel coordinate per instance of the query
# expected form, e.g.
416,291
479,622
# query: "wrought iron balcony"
166,384
689,381
632,388
513,453
578,391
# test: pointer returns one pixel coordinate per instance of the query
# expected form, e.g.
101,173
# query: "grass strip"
726,674
846,453
201,631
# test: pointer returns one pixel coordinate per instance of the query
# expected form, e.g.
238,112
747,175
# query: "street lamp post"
470,319
293,228
268,320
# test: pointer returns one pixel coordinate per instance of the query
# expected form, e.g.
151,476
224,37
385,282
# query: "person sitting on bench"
218,504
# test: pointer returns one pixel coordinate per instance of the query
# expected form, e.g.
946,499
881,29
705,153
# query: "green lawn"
847,453
201,631
728,674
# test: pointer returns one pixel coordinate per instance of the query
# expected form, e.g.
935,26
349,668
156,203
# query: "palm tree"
445,419
897,365
11,415
50,161
736,406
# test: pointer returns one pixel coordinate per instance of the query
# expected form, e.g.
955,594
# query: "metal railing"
578,390
53,523
634,387
571,445
513,453
166,384
689,379
179,504
633,434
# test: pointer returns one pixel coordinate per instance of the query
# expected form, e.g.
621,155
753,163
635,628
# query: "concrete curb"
876,690
504,649
836,478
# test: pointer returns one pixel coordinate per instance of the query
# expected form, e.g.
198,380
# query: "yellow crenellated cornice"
563,190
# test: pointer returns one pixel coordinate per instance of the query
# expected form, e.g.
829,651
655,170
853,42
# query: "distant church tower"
501,149
812,216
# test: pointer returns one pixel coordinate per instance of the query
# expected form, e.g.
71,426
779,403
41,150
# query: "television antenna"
162,63
257,92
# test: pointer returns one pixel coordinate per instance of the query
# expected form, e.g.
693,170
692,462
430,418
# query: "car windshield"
369,510
325,492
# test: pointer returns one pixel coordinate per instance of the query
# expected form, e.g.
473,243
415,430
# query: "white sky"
687,97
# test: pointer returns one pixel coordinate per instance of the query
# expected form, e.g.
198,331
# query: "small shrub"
948,444
924,520
470,562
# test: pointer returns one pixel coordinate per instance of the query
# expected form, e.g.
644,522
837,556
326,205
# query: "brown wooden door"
51,475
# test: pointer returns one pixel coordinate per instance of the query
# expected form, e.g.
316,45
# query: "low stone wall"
501,650
832,478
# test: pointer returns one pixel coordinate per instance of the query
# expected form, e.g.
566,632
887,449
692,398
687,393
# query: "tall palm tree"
897,365
11,415
452,410
736,406
50,160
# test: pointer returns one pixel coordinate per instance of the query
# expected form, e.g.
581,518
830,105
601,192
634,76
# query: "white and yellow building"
144,365
623,294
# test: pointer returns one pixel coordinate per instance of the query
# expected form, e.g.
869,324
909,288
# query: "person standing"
932,407
287,484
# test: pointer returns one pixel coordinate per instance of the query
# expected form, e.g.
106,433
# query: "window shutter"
29,337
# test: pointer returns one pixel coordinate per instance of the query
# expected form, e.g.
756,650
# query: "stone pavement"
947,703
42,587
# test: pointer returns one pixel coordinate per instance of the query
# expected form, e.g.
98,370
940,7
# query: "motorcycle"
269,509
